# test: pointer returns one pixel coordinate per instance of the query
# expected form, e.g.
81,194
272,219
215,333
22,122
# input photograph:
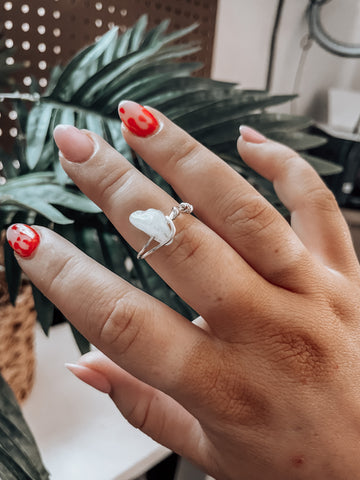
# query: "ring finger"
189,263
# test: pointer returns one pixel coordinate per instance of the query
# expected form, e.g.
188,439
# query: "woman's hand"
266,383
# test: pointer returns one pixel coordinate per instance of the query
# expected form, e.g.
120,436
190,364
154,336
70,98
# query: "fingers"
315,215
189,263
222,199
133,329
145,407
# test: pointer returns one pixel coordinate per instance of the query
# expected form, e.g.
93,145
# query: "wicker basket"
17,360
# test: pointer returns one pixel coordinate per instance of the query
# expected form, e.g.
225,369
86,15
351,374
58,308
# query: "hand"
266,381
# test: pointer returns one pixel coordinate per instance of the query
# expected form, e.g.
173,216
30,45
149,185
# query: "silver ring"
158,226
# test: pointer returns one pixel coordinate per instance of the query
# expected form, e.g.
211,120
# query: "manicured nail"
251,135
89,376
138,120
74,144
23,239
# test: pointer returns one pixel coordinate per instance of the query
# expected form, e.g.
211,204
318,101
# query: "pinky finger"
315,215
146,408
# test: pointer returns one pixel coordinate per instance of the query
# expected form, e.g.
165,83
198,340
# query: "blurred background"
270,44
242,45
307,47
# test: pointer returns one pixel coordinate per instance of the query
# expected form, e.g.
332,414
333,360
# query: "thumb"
146,408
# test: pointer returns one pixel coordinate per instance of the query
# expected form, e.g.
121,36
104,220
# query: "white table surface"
79,431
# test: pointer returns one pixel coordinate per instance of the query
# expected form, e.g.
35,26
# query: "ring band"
158,226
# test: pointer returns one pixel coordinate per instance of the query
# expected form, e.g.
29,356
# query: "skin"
266,381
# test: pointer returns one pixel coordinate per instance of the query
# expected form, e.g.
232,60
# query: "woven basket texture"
17,359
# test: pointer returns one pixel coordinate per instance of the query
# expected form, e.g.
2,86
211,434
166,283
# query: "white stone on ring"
157,226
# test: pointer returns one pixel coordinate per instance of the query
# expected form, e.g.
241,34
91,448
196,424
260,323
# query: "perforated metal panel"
49,32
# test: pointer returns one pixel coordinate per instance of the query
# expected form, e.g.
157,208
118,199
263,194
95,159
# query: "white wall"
242,46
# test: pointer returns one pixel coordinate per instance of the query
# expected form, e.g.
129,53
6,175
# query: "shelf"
79,431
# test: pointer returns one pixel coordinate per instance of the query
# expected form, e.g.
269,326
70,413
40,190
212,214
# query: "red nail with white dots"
137,118
23,239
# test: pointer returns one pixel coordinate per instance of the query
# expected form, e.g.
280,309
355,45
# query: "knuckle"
115,182
321,198
300,354
246,403
140,415
290,163
189,151
290,158
298,262
316,193
121,325
220,383
251,217
343,303
187,245
58,275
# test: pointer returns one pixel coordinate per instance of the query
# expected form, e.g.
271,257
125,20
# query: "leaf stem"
30,97
5,198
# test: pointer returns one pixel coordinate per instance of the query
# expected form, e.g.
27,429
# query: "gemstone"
152,222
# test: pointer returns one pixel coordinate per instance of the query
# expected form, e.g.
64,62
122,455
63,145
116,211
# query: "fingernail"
22,239
75,145
137,118
89,376
251,135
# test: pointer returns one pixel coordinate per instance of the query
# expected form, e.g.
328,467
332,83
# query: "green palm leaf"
39,192
37,130
19,456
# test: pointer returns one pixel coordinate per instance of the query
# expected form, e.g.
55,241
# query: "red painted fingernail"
138,120
251,135
23,239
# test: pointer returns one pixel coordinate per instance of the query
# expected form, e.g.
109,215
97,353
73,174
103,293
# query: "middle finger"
223,199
